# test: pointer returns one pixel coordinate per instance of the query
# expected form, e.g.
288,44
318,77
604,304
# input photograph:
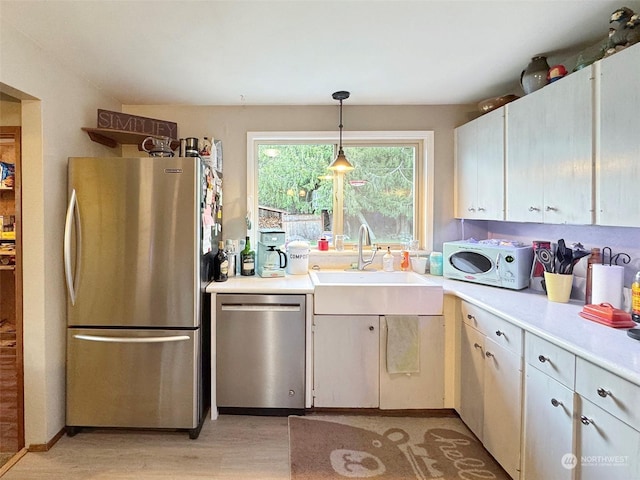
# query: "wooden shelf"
113,138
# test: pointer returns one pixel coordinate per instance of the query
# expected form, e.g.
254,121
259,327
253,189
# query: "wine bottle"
220,264
247,260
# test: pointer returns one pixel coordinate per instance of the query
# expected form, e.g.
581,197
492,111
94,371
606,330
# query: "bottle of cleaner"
635,299
404,259
387,261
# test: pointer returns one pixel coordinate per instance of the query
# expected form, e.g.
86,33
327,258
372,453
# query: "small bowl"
492,103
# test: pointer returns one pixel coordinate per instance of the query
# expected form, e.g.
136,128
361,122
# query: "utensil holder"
558,286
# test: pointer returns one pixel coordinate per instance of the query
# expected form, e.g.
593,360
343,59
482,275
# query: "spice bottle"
595,257
635,299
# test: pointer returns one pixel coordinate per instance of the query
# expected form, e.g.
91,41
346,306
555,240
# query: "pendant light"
341,164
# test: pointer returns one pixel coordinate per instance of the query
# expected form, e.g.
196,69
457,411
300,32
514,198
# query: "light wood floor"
232,447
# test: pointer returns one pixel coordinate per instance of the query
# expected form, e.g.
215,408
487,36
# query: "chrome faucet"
364,237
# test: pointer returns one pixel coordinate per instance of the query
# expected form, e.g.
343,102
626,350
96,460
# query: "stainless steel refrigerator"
138,241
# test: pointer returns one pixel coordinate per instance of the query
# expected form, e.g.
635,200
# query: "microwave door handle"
498,261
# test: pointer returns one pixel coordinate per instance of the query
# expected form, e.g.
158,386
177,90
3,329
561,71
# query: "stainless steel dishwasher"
260,353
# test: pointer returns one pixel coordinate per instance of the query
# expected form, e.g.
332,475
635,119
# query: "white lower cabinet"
548,428
424,389
608,447
472,379
502,406
349,365
345,361
491,384
548,424
608,424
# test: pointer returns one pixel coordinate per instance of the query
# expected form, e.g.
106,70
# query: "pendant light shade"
341,164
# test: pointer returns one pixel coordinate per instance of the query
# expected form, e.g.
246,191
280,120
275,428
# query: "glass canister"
435,263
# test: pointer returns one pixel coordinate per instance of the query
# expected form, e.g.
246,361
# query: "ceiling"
298,52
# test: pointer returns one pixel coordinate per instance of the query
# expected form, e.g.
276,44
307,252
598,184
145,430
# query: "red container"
323,244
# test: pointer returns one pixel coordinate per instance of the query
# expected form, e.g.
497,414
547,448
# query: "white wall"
55,105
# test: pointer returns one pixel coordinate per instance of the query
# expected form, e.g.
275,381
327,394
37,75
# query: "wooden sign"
132,123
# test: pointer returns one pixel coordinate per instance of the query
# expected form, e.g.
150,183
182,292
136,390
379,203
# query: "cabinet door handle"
477,345
481,209
489,355
471,209
534,209
543,359
551,209
585,420
556,403
500,333
471,317
604,393
371,328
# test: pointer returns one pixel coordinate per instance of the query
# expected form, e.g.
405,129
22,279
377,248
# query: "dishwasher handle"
107,339
260,307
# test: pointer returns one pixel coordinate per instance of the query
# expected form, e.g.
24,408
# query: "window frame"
424,168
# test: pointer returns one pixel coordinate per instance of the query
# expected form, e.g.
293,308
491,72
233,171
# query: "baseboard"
427,412
45,447
12,461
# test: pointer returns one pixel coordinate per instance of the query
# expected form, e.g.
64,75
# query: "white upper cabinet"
618,161
479,168
549,161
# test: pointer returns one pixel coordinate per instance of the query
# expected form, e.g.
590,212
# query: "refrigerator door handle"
72,214
106,339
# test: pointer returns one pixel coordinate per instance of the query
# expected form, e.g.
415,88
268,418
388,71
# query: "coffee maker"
271,260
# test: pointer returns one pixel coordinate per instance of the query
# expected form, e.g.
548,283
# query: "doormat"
387,448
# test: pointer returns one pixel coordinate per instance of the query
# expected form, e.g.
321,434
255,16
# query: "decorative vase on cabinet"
534,77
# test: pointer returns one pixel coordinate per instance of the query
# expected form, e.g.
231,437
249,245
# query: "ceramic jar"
534,77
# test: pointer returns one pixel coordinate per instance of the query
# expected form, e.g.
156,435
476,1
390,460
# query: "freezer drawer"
260,351
133,378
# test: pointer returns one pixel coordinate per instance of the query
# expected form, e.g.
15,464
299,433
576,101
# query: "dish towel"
403,344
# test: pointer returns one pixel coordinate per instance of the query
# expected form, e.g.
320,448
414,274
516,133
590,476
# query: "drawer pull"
604,393
556,403
489,355
477,345
543,359
585,420
534,209
371,328
500,333
471,317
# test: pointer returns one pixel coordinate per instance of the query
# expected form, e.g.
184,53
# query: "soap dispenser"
387,261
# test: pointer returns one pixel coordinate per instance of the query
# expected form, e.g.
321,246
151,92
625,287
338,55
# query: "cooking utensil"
561,257
545,257
577,255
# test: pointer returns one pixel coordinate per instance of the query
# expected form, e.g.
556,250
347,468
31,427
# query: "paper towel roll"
606,284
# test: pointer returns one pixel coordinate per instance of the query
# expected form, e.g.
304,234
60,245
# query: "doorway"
11,345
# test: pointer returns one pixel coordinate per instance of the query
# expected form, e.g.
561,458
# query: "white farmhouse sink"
364,293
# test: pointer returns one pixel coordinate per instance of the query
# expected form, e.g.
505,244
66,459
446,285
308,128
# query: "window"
290,188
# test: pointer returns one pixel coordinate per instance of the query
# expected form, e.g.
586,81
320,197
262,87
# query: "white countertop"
256,284
558,323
